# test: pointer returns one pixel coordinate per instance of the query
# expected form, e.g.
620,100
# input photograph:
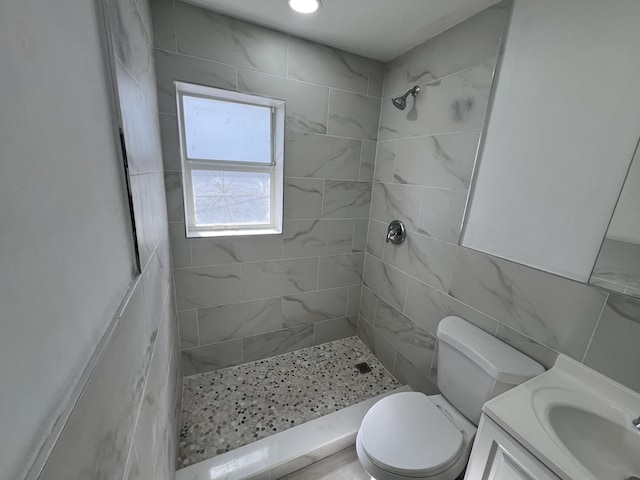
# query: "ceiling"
379,29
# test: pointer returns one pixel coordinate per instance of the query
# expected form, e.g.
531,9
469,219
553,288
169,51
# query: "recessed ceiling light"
304,6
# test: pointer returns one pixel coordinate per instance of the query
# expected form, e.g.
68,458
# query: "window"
232,149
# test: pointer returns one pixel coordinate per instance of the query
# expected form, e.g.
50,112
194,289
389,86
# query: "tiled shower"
353,163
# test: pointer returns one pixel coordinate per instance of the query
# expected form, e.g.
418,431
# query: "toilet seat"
408,435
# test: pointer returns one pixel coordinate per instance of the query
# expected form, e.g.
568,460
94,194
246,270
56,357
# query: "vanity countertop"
578,422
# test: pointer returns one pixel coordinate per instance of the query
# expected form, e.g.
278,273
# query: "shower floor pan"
237,422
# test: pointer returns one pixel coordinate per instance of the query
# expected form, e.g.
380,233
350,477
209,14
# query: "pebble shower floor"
229,408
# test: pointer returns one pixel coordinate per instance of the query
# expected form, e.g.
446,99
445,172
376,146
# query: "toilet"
410,435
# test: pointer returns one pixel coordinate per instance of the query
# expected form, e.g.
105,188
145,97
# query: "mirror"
618,265
557,143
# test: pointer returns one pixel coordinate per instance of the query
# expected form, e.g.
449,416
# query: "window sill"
233,233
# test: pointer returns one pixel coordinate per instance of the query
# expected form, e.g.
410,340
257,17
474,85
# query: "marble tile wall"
245,298
422,173
125,423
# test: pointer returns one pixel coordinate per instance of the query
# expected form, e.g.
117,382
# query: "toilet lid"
406,433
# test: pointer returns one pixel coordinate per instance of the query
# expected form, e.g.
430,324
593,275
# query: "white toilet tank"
474,367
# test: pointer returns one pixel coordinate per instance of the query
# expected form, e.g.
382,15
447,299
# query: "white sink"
576,421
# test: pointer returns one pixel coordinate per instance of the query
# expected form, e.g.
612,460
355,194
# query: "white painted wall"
563,126
625,224
65,255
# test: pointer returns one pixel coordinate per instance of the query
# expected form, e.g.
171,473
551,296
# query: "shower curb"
285,452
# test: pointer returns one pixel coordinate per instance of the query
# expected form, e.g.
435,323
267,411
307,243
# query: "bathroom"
100,332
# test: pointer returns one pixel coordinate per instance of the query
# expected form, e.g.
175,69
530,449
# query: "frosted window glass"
221,130
223,197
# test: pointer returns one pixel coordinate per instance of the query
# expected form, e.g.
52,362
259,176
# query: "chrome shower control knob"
396,233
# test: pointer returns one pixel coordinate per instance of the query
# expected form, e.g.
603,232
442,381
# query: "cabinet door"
497,456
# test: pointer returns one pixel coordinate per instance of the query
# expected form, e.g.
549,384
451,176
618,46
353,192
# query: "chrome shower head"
401,102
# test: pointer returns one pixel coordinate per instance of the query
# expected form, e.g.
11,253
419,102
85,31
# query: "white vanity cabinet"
496,455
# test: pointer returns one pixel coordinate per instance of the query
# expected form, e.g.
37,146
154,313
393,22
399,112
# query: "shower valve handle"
396,233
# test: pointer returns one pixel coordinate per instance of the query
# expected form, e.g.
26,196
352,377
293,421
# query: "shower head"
401,102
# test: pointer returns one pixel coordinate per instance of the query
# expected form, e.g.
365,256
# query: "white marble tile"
368,304
279,277
307,104
425,258
225,322
174,197
377,238
353,304
360,232
618,262
385,161
407,373
321,156
382,348
340,270
211,357
203,33
386,281
207,286
162,17
334,329
444,161
427,306
632,292
170,142
541,353
173,66
303,198
323,65
276,343
395,75
614,348
396,202
188,328
314,306
224,250
180,245
441,214
353,115
376,79
305,238
554,311
143,212
471,42
343,199
367,161
408,337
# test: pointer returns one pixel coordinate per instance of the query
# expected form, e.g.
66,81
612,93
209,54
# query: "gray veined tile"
225,322
314,306
407,373
377,238
306,104
328,66
427,307
409,338
614,348
211,357
224,250
368,304
353,304
396,75
188,328
173,66
306,238
360,232
321,156
279,277
387,282
170,142
396,202
180,246
334,329
207,286
303,198
276,343
385,161
444,161
554,311
367,161
164,35
376,79
344,199
382,348
441,214
541,353
206,34
425,258
340,270
354,116
471,42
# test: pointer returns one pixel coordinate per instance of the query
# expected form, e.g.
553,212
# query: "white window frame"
275,168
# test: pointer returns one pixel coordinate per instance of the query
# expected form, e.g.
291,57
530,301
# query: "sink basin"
603,446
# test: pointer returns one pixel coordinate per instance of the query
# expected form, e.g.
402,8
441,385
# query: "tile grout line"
595,328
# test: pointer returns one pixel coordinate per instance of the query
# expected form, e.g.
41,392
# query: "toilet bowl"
410,435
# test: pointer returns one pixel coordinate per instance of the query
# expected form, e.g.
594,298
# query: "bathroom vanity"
569,423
